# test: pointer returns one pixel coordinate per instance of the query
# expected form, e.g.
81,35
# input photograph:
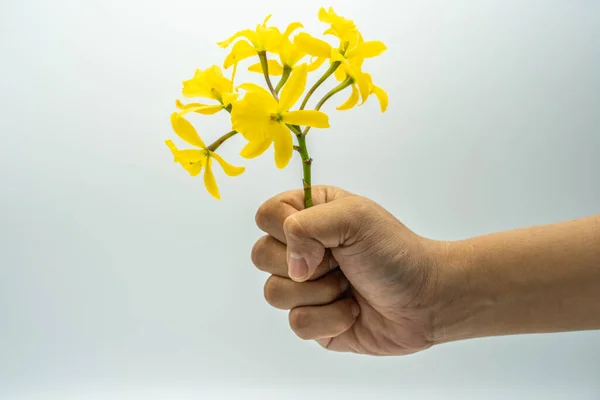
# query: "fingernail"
355,310
298,268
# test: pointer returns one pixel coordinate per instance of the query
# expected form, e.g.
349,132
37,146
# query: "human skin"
355,279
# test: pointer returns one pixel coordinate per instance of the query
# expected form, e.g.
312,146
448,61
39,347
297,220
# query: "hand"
353,276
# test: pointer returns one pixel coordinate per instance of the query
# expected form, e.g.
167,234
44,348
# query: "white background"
121,278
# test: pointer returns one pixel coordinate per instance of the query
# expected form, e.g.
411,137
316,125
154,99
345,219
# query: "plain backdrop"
120,277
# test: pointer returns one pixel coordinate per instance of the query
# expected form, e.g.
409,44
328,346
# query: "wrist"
460,299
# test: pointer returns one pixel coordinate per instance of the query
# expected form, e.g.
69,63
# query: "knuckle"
293,227
272,291
262,215
300,322
358,205
258,251
291,224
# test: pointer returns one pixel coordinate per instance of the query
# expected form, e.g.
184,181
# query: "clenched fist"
354,278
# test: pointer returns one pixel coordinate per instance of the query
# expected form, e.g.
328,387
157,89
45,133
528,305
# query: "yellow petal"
284,147
324,15
312,46
240,51
186,131
382,97
267,18
315,119
340,74
202,109
352,100
191,160
229,98
363,84
294,88
247,33
275,69
252,115
367,50
255,148
253,87
230,88
336,56
182,106
209,83
210,182
230,170
315,65
291,28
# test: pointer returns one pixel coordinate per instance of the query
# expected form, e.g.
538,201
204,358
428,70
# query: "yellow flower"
352,101
262,39
262,120
340,27
350,59
193,160
208,84
290,56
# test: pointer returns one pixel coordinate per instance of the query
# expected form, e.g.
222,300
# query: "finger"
269,255
310,232
273,212
286,294
320,322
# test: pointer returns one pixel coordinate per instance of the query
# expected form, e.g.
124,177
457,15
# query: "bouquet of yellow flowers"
265,116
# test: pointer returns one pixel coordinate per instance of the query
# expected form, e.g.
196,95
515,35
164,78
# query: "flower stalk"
318,83
217,143
265,67
284,77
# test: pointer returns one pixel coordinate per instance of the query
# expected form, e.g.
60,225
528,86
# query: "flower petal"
182,106
186,131
291,28
312,45
252,115
315,119
230,170
240,51
315,65
367,50
294,88
255,148
340,74
382,97
210,182
284,148
247,33
253,87
336,56
352,100
229,98
275,69
191,160
202,109
362,80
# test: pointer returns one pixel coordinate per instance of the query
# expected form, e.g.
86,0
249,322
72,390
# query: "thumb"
309,232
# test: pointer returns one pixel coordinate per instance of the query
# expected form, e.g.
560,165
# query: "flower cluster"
266,116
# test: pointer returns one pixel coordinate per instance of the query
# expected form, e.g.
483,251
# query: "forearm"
533,280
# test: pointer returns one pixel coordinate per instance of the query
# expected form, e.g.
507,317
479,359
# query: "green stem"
349,81
265,67
214,146
286,74
306,171
322,79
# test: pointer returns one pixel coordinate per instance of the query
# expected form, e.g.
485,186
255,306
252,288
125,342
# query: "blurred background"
120,277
